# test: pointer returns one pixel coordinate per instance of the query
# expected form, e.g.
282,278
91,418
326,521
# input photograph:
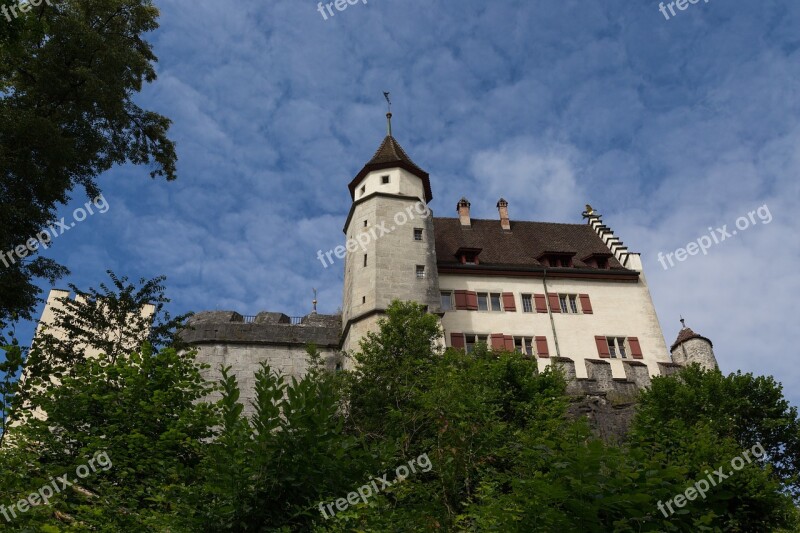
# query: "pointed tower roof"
391,155
686,334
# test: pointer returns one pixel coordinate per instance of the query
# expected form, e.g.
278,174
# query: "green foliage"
270,472
504,454
113,320
745,408
68,76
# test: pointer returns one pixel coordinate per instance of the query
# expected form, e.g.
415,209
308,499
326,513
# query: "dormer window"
556,259
597,260
468,256
385,179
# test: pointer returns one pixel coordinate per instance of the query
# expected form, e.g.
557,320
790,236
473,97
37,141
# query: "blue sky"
667,127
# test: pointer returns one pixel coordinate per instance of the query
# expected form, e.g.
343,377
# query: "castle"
566,293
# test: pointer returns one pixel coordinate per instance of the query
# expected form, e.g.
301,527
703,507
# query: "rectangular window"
384,179
495,301
447,300
483,301
518,344
365,223
527,303
612,347
573,303
562,300
621,347
528,346
470,343
420,272
365,259
417,234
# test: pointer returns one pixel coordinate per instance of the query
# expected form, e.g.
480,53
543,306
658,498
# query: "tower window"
417,234
385,179
363,299
365,259
420,272
363,190
365,223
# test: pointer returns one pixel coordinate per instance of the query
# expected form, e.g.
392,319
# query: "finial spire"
314,301
683,322
388,114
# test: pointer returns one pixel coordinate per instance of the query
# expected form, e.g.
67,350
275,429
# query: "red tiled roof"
684,335
389,155
521,246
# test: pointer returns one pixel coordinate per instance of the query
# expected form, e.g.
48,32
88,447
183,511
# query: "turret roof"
391,155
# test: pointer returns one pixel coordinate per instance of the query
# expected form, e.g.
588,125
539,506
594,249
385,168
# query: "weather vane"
389,114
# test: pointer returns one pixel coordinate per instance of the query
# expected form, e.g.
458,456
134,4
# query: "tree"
68,73
747,409
113,320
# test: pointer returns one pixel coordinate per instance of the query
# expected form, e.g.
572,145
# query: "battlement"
600,380
266,328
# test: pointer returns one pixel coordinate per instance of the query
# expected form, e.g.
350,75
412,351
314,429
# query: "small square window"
420,272
447,300
483,301
417,234
384,179
527,303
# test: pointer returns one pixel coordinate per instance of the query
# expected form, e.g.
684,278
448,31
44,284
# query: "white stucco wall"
620,309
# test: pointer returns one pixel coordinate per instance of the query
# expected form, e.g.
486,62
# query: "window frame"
530,307
420,271
450,295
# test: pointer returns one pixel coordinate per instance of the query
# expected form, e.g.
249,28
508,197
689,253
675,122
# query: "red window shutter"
554,305
461,299
457,340
602,346
509,342
508,301
541,303
636,349
541,347
472,301
586,304
498,341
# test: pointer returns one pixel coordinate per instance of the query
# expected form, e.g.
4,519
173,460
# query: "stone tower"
690,348
390,241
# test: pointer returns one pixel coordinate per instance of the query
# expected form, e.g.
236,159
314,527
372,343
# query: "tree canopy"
69,71
501,452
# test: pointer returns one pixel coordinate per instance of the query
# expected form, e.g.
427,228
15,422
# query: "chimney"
502,206
463,212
